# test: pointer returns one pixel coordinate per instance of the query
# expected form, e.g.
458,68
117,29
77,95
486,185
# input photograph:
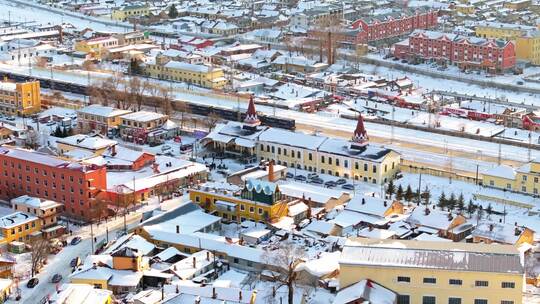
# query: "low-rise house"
501,233
195,265
46,210
365,291
80,293
259,201
202,75
91,145
19,226
127,11
440,223
100,119
144,127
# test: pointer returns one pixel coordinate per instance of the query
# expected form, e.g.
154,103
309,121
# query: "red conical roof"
251,114
360,134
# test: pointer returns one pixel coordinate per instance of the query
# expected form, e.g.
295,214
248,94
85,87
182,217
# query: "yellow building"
23,98
466,9
124,12
501,233
99,118
259,201
19,226
517,4
525,179
196,74
81,145
95,47
355,158
46,210
127,259
528,47
497,30
436,272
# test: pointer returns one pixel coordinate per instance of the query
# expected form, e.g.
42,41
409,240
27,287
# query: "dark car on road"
300,178
76,240
32,282
330,184
56,278
348,187
75,262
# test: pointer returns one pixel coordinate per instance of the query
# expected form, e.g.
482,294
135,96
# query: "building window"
251,209
508,285
455,282
481,283
454,300
507,302
404,279
480,301
242,207
310,156
430,281
429,300
260,211
322,159
404,299
365,167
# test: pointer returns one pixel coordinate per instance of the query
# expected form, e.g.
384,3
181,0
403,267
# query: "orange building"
74,184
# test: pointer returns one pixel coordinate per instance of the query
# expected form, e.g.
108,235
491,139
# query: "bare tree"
38,256
211,121
165,94
32,139
282,266
98,209
184,109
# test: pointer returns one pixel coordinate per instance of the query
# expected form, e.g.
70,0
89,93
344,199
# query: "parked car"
56,278
330,184
32,282
341,181
75,262
76,240
165,148
312,175
289,175
300,178
404,61
348,187
316,180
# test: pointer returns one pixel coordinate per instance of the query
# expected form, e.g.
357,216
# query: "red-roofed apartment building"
76,185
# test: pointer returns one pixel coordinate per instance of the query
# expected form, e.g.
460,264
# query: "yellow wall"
123,14
96,283
26,99
213,79
13,234
528,48
498,32
384,170
387,277
127,263
527,236
206,200
465,9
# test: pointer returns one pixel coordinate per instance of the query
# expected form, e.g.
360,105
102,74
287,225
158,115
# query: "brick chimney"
194,262
271,174
214,294
113,150
177,229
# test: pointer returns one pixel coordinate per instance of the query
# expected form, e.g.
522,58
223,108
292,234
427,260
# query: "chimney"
113,152
240,295
491,227
450,216
194,262
271,176
208,255
426,211
214,295
363,201
385,204
517,231
94,266
177,229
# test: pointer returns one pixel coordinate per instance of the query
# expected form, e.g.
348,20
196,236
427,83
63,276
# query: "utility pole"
499,155
420,186
92,236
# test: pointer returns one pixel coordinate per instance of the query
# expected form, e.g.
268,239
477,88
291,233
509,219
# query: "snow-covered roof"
432,255
35,202
369,205
188,217
292,139
80,293
320,227
131,241
325,264
102,111
498,232
15,219
143,116
436,218
503,171
187,268
376,233
315,193
87,142
366,290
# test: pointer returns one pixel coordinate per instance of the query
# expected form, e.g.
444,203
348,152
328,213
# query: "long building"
436,272
355,158
466,52
74,184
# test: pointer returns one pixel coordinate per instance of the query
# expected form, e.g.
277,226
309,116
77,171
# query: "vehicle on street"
32,282
289,175
56,278
341,181
312,175
300,178
348,187
75,262
316,180
76,240
330,184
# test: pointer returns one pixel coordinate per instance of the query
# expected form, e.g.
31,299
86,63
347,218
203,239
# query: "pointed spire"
360,135
251,120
